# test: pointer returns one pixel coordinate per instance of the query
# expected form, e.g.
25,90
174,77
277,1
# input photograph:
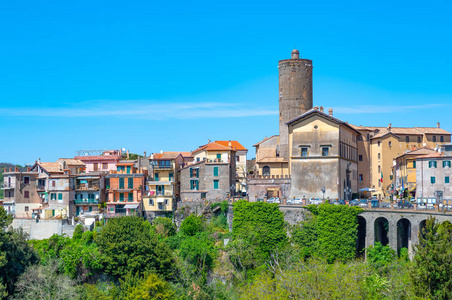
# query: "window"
441,139
90,208
368,137
360,177
105,166
121,183
130,183
130,197
218,156
215,184
26,194
414,164
446,163
379,156
446,179
266,171
95,166
166,201
120,168
434,138
26,180
390,143
151,202
121,197
198,159
325,151
52,196
304,151
194,185
160,190
53,183
107,183
360,158
170,177
203,195
359,138
432,180
432,164
407,139
238,158
378,143
156,176
418,139
128,169
379,169
90,196
60,196
26,208
215,171
194,172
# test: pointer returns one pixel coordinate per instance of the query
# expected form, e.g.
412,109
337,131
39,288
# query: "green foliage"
305,237
164,227
432,264
78,231
5,219
337,227
191,225
127,246
261,222
15,256
198,251
379,256
151,287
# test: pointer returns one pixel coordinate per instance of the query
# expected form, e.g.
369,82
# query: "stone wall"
258,185
43,229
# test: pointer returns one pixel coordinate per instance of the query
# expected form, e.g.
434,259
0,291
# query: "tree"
432,264
151,287
199,251
127,246
164,227
191,225
304,235
45,282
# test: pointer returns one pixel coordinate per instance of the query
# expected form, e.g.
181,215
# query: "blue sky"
151,76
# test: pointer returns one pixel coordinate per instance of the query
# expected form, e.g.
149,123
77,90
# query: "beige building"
379,146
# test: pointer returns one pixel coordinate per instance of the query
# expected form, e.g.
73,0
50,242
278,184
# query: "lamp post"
323,191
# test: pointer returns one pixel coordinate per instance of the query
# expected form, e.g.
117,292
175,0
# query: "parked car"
315,201
338,202
363,203
404,204
354,202
273,200
294,201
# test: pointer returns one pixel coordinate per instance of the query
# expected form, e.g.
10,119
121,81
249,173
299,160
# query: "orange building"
125,188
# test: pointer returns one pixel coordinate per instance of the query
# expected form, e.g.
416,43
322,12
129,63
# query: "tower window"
304,151
360,158
407,139
266,171
434,138
325,151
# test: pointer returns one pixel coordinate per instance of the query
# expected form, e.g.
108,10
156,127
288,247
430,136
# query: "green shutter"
197,173
128,169
434,163
191,183
191,172
215,184
121,197
432,180
414,164
130,197
171,176
130,183
121,183
446,179
215,171
156,176
60,196
219,156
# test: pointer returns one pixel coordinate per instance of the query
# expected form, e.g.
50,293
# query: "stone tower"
295,94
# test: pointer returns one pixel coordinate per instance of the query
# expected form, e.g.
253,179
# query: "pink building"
101,163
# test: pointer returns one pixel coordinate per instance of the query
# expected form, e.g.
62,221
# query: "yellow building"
379,146
268,160
405,170
163,189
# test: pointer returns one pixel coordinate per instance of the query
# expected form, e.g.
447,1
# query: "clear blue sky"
169,75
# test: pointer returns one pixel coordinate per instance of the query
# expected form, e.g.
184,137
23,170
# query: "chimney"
321,108
389,127
6,170
144,154
10,169
316,107
16,169
39,160
152,155
437,125
229,144
330,112
28,169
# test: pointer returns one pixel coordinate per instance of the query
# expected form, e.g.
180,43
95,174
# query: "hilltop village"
315,156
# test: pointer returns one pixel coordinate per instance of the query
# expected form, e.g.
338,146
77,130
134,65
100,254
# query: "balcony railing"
86,201
40,188
87,187
121,212
7,185
123,187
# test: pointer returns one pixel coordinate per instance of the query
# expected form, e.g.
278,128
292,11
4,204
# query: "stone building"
240,164
212,174
379,146
322,156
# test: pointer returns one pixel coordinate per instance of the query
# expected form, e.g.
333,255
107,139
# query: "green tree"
150,288
164,227
191,225
199,251
432,264
304,236
127,246
379,256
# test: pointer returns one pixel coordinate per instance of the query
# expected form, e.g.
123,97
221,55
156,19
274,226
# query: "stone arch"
403,234
266,171
361,237
381,229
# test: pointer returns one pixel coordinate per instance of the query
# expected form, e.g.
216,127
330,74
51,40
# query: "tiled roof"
272,160
327,116
266,139
98,157
420,151
404,130
51,167
234,144
213,146
432,130
167,155
382,133
431,155
72,161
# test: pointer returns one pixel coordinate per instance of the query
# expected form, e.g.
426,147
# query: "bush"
191,225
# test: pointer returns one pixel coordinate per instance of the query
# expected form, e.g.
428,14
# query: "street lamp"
323,191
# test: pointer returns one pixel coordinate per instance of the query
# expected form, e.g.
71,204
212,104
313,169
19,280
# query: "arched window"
266,171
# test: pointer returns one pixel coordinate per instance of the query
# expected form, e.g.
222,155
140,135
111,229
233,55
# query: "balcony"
40,188
162,167
84,187
7,185
122,187
86,201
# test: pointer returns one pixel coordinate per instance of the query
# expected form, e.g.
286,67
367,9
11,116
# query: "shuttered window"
215,184
215,171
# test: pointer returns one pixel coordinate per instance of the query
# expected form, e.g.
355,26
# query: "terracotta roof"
213,146
383,133
51,167
432,130
167,155
326,116
273,160
431,155
72,161
266,139
186,154
98,157
404,130
420,151
234,144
